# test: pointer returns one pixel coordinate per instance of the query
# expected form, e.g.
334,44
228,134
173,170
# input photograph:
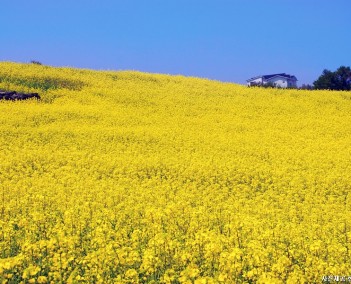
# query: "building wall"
283,82
256,81
279,82
292,83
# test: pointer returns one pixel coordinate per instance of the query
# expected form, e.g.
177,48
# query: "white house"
281,80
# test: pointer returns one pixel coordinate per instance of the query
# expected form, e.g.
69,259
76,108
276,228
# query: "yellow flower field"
129,177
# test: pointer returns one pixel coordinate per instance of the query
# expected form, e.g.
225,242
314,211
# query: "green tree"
338,80
343,78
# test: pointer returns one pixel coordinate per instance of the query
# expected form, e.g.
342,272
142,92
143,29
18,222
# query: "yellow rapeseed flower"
130,177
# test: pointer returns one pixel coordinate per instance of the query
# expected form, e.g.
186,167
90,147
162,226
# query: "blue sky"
223,40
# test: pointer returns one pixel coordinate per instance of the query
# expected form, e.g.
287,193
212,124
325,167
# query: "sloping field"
128,177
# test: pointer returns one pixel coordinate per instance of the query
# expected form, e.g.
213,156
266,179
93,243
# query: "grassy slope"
211,166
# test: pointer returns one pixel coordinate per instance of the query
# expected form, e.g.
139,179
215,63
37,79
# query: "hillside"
130,177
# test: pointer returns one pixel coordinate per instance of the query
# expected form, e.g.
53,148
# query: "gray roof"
267,77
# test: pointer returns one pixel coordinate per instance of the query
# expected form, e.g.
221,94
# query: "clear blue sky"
219,39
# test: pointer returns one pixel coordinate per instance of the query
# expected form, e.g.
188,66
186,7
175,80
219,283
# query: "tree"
343,78
306,87
338,80
36,62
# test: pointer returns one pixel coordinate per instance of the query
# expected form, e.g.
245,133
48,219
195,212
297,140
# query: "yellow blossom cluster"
130,177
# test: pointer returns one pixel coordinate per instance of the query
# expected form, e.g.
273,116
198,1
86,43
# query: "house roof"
267,77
